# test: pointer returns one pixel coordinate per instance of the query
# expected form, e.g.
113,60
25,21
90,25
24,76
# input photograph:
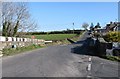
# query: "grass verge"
112,58
65,41
13,51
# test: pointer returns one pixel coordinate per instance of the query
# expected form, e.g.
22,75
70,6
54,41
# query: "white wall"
2,38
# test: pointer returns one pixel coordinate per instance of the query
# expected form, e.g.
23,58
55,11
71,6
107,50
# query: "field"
52,36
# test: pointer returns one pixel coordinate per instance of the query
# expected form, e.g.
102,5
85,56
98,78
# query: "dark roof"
111,25
108,25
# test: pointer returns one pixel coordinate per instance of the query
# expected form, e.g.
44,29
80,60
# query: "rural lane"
59,61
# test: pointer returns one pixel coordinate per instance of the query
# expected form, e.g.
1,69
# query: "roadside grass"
74,38
52,36
112,58
65,41
13,51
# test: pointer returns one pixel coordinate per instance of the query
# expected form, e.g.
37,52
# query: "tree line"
55,32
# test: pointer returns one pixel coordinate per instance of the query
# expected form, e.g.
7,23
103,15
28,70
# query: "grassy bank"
112,58
65,41
13,51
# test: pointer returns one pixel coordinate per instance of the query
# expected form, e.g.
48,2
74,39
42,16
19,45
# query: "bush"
112,58
112,37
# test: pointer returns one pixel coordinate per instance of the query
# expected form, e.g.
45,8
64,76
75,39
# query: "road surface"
59,61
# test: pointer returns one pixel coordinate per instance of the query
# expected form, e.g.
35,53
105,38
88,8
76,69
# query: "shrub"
112,36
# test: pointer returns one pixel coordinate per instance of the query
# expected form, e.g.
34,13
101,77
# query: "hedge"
112,36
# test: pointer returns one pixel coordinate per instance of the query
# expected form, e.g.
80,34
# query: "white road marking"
90,59
89,67
89,76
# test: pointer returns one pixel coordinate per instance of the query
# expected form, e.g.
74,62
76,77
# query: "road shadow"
79,42
83,48
71,41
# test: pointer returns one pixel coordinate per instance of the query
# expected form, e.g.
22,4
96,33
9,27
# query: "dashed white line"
90,59
89,67
89,76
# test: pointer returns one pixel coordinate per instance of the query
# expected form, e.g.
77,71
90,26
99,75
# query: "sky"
52,16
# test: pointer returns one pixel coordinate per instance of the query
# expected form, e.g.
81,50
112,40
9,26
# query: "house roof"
112,25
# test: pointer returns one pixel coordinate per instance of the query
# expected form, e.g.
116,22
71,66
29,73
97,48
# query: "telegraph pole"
73,27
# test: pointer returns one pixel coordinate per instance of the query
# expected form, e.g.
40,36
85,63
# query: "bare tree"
26,27
85,25
16,18
7,16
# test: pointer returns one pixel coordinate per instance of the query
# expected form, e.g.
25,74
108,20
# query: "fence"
9,42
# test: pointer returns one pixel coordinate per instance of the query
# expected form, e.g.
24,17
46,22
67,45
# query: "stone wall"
12,42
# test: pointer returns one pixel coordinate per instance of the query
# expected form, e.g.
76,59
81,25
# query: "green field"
53,36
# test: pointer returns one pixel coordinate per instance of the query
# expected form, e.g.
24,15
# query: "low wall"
9,42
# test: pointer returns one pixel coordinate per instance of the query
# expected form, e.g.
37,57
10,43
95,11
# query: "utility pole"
73,27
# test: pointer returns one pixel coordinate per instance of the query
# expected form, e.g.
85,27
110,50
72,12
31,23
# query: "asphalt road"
59,61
